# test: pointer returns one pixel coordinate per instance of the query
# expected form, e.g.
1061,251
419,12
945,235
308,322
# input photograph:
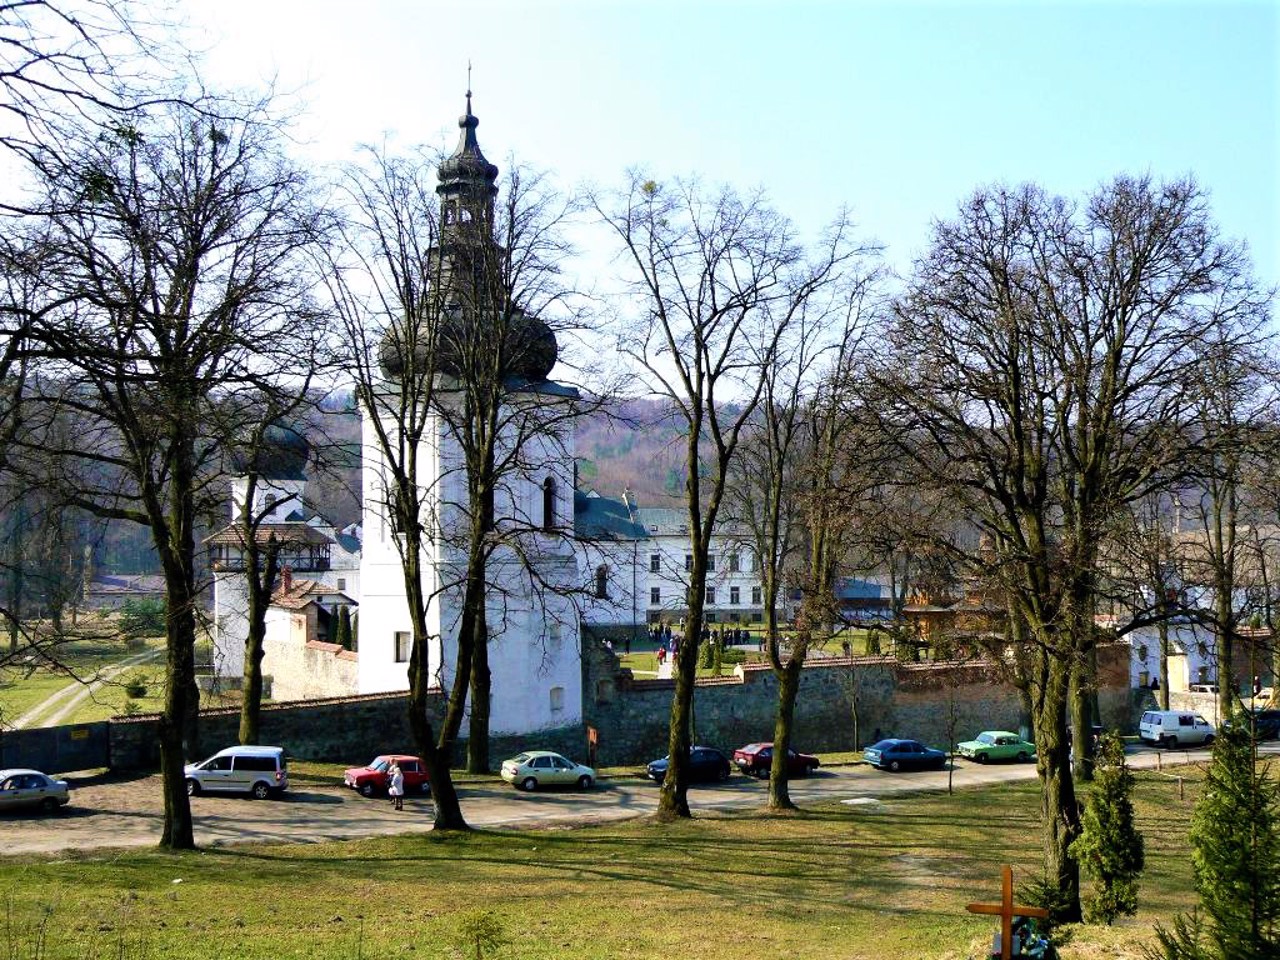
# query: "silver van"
1175,728
260,772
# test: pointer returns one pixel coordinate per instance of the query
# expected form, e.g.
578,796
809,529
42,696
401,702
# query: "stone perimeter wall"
893,699
631,716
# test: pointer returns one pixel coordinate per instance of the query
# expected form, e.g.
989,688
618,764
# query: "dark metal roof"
602,518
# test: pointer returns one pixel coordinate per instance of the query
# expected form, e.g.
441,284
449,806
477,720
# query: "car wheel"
584,782
193,788
1022,756
529,784
365,789
49,805
981,758
723,775
894,766
1163,741
1208,740
260,791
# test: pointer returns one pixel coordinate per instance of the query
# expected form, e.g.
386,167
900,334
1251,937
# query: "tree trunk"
178,833
673,799
1225,617
1083,681
260,589
1059,810
788,689
482,495
481,677
1162,695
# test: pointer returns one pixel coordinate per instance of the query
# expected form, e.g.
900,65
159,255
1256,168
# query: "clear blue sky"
898,109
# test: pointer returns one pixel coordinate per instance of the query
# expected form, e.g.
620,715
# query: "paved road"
127,814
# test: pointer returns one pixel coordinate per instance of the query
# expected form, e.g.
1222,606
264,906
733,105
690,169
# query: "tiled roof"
289,533
303,592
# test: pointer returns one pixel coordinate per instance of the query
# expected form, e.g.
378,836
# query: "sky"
897,110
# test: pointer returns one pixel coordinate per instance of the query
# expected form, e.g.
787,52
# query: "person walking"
396,789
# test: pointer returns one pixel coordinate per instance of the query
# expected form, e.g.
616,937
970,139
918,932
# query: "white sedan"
541,768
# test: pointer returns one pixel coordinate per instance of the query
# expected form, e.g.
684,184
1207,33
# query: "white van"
1175,728
260,772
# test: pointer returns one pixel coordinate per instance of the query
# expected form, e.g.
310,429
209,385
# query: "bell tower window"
549,504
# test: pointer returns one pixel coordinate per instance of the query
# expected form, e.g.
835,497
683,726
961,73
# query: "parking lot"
108,812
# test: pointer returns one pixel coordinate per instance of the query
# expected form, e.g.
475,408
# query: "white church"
567,558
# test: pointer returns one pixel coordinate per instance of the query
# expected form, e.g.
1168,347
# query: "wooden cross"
1007,910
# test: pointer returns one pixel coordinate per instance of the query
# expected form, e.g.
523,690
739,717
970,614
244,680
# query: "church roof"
467,166
602,518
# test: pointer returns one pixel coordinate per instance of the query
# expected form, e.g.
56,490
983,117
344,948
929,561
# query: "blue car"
706,764
895,754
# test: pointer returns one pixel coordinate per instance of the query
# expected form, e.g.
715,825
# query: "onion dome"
467,250
282,454
467,170
529,348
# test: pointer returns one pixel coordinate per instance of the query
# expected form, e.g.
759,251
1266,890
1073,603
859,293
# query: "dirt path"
55,708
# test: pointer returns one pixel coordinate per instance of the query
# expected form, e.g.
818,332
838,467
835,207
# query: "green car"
997,745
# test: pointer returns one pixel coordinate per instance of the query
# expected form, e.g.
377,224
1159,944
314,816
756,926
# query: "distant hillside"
639,447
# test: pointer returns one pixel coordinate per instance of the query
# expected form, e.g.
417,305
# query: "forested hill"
638,447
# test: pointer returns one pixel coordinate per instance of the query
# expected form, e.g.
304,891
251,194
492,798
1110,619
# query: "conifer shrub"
1110,849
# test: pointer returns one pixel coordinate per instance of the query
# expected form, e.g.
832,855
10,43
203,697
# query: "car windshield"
520,758
986,738
380,764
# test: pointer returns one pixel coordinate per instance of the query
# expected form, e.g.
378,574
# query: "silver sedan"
31,788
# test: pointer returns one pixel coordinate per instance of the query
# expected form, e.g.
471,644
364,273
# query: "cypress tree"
343,637
1110,848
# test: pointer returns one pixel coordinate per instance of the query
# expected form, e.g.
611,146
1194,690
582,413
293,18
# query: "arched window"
549,503
602,582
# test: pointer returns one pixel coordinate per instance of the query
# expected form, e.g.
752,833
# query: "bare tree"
1045,358
1142,581
720,278
790,486
175,289
384,272
68,62
1232,406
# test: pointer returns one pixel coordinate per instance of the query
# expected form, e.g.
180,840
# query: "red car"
375,779
755,759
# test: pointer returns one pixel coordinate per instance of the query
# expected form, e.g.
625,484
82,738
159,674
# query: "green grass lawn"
886,881
25,685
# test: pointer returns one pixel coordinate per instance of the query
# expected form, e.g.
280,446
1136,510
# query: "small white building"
308,545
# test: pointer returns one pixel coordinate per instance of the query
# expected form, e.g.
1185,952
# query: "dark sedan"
706,764
755,759
896,754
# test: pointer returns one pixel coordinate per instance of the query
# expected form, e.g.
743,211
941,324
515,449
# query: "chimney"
286,580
